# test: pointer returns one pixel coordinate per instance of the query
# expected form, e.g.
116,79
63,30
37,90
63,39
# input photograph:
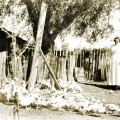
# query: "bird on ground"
111,108
6,93
25,99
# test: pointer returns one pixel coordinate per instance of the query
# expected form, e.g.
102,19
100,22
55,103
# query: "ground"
95,89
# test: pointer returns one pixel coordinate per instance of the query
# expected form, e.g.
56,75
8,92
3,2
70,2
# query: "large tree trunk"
36,57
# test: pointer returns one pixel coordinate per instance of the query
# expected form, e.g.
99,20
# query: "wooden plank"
64,76
40,71
71,65
14,55
25,67
2,67
19,67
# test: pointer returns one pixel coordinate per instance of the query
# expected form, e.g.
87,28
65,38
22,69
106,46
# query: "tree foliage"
15,18
85,13
61,13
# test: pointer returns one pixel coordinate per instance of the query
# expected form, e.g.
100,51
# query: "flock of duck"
71,97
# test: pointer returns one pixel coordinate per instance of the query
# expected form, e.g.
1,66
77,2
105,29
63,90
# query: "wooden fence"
90,62
62,67
2,66
65,65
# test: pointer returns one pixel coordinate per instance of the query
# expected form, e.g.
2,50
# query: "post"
41,23
14,55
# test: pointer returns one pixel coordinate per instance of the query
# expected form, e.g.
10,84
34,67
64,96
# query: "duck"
57,101
63,84
38,102
83,106
102,110
36,91
72,85
45,83
116,112
111,107
25,99
97,107
6,94
41,101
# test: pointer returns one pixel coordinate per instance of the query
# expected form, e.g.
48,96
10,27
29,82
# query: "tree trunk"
41,23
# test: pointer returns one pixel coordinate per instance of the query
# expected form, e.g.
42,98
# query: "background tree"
61,13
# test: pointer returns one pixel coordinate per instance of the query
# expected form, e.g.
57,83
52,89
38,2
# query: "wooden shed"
22,55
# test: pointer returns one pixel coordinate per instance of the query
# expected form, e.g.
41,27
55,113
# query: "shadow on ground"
101,85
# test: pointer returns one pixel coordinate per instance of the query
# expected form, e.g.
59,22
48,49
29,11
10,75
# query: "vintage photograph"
59,59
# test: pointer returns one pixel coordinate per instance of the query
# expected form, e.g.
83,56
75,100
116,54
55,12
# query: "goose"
45,83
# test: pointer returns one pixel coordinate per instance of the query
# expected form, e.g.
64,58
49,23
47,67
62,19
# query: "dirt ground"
96,89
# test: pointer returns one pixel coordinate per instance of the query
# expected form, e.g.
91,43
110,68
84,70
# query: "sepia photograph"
59,59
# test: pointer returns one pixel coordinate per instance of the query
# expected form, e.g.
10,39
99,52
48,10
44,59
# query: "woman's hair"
117,38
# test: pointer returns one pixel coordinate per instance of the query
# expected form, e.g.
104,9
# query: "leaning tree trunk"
36,59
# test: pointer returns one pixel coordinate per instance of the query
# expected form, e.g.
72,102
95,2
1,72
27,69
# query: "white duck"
6,93
63,84
72,85
97,107
57,102
83,106
111,107
25,99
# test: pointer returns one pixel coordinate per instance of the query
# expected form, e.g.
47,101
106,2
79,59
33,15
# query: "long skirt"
114,70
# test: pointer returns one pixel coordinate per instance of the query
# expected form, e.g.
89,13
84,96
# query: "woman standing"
114,68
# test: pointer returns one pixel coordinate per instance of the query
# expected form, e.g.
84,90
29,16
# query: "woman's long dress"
114,71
